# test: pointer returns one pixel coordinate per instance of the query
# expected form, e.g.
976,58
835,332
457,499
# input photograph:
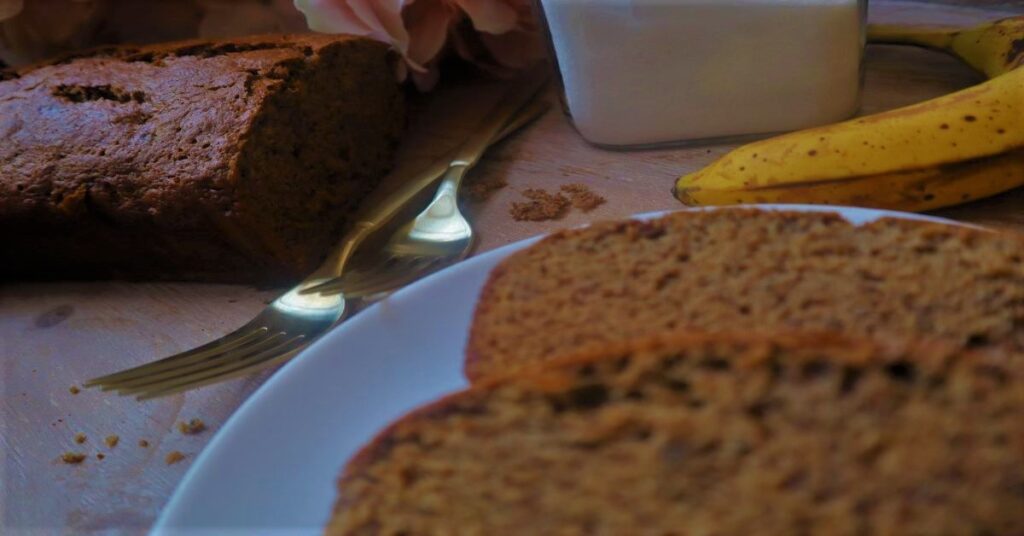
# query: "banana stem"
926,36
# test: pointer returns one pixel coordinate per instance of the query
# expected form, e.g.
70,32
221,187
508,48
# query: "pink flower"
498,35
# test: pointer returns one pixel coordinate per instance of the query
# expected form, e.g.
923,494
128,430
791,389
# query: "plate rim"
164,523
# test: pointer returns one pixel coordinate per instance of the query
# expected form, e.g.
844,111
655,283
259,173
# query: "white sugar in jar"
656,72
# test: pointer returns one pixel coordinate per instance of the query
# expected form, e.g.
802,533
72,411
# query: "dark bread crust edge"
190,47
473,367
842,349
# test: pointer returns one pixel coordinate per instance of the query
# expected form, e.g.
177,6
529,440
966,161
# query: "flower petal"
428,22
330,16
427,79
384,17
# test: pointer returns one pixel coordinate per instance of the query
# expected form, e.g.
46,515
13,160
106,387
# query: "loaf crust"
235,160
709,434
748,270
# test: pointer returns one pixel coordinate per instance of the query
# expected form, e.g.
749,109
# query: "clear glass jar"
642,73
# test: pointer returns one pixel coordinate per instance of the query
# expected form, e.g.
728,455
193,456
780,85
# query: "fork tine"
374,283
359,277
331,286
243,371
234,339
138,384
392,280
227,370
338,284
146,373
343,287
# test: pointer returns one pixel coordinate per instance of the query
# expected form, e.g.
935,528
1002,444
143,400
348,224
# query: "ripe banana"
993,49
914,191
942,152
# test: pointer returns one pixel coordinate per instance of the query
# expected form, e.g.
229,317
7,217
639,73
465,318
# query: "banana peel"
992,49
914,191
942,152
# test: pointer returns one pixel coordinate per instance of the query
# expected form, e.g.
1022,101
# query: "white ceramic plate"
272,467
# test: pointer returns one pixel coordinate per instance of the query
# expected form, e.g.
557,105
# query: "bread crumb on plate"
174,457
72,458
191,427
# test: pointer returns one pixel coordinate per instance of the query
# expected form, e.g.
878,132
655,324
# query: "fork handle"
449,187
516,98
447,190
523,108
339,256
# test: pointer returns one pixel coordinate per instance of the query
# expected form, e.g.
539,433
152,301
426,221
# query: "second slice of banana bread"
748,270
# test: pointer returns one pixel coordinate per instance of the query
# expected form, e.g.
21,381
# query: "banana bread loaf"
701,436
234,160
743,269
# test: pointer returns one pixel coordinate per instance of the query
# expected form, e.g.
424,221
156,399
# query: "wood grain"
55,335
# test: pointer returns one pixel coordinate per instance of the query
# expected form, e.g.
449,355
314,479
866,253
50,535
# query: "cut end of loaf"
317,150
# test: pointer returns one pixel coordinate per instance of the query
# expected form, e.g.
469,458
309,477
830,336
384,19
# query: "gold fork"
438,236
293,320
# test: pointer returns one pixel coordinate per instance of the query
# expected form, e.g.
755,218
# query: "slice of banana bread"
720,435
237,160
743,269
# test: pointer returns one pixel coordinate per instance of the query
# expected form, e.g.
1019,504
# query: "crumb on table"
74,390
100,456
80,438
111,440
582,197
173,457
191,427
542,205
482,188
72,458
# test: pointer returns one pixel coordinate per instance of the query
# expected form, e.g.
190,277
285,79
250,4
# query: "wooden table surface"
53,336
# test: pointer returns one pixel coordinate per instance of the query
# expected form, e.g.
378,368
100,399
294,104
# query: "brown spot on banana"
1015,56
